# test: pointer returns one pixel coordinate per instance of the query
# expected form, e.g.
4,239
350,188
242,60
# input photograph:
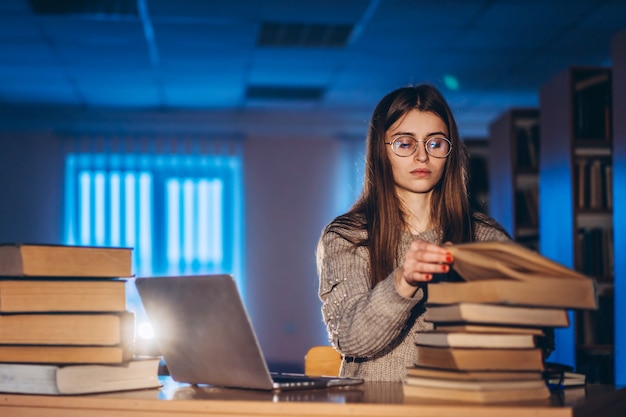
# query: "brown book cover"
476,396
67,328
480,385
497,314
487,328
545,292
64,261
480,359
59,295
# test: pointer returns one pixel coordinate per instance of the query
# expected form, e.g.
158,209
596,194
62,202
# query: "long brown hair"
378,209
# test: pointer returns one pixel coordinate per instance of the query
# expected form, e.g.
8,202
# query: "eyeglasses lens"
439,147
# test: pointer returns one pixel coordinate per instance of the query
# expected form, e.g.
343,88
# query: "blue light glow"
173,221
565,351
203,227
217,218
84,197
115,229
69,200
145,223
129,204
451,82
98,209
557,236
188,220
180,214
619,243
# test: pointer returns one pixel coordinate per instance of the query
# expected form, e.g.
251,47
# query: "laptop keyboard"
298,380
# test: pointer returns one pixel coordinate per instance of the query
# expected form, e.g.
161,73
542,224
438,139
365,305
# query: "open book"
509,273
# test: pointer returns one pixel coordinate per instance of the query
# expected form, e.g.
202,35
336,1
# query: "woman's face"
420,172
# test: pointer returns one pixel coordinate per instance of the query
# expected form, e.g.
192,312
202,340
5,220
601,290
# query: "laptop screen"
206,337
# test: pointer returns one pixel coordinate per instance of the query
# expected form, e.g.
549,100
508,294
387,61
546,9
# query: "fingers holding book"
422,261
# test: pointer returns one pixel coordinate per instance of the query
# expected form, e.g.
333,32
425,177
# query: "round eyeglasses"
437,146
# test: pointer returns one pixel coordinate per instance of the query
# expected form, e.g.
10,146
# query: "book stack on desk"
485,343
63,312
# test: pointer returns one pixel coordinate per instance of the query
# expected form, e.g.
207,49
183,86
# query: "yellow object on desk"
322,360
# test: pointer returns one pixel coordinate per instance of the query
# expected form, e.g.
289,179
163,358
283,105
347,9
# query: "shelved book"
40,260
592,107
72,379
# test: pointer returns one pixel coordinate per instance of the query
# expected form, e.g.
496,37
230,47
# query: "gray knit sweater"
372,328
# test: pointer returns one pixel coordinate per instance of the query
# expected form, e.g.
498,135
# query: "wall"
31,177
291,192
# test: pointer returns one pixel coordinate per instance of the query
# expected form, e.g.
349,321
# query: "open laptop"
206,337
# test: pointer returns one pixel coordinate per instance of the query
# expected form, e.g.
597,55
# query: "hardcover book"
475,396
66,354
480,359
67,329
74,379
465,375
475,340
64,261
487,328
62,295
497,314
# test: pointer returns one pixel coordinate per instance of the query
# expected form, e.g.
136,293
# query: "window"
181,213
353,171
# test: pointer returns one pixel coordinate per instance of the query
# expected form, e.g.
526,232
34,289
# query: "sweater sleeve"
361,321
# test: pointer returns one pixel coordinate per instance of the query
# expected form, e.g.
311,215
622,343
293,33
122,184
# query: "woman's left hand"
421,261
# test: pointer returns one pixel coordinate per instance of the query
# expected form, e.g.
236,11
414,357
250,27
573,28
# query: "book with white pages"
487,328
73,379
475,340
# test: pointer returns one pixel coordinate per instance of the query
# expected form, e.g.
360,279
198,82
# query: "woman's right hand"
421,261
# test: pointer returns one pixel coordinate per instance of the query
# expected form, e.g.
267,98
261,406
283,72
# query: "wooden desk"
370,399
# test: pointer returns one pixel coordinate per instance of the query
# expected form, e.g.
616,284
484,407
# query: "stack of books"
485,345
64,324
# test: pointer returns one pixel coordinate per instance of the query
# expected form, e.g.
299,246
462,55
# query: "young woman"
374,261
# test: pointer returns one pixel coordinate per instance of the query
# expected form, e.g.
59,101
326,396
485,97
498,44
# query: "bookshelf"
514,174
478,149
576,221
618,54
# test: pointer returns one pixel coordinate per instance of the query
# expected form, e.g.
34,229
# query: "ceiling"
288,66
